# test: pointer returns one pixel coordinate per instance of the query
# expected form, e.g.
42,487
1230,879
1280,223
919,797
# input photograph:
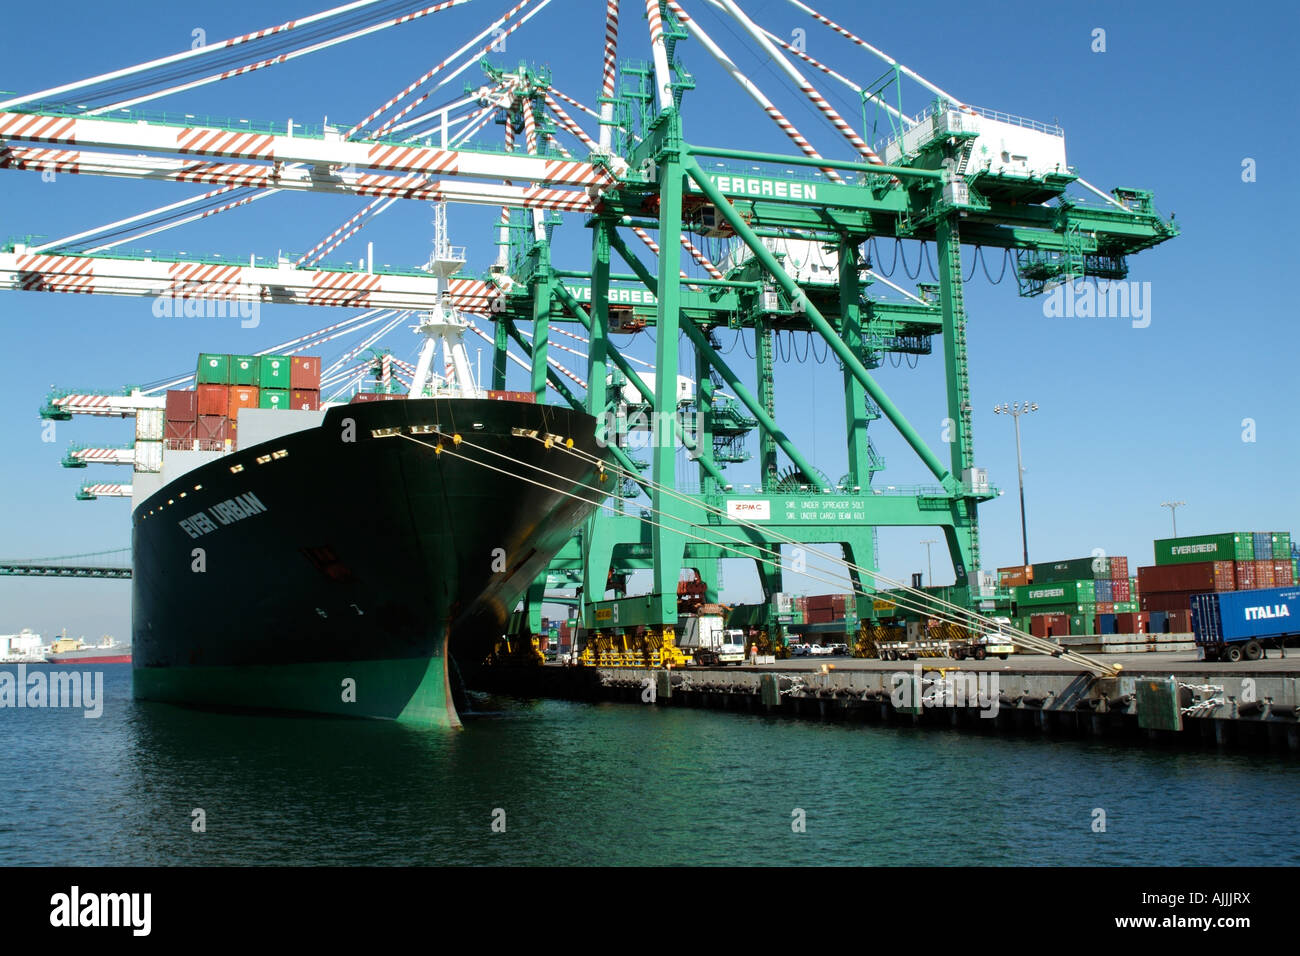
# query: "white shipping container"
149,424
148,456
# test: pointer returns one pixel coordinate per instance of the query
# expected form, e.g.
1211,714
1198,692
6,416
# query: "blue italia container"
1229,617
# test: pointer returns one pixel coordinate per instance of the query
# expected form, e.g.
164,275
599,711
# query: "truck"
708,642
990,644
1230,625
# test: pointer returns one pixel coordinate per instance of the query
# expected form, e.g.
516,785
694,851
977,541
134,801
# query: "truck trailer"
1230,625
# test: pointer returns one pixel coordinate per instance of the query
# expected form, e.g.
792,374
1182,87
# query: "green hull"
413,690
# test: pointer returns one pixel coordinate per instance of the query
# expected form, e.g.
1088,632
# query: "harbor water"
556,782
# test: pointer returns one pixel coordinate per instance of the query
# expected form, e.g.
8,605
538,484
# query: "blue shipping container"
1230,616
1106,624
1158,622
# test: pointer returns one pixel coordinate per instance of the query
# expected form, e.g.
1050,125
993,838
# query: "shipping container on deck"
1105,624
213,427
1158,622
149,424
1231,546
182,406
305,399
363,397
304,372
213,369
272,398
1180,622
273,372
180,431
506,396
212,400
241,396
1119,568
244,369
1105,607
1122,590
1202,576
1246,576
1282,574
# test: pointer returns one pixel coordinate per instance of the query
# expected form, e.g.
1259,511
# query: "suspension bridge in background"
113,564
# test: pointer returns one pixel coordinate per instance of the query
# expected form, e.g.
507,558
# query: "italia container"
1233,546
1230,618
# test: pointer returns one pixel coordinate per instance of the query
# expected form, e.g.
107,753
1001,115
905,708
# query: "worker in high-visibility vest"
753,653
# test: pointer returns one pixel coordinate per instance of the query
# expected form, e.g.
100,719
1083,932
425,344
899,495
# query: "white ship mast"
444,325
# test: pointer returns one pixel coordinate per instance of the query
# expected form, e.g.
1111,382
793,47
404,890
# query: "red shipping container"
182,406
1123,591
213,427
1282,576
1057,625
1132,622
212,400
1168,600
180,432
818,602
1203,576
1105,607
1180,622
1119,569
1246,576
500,396
241,396
306,399
304,372
1264,577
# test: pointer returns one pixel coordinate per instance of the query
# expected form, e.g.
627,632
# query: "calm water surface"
613,784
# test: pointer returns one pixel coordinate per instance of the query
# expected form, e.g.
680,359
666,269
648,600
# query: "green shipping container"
1074,570
243,369
213,369
1083,624
1282,546
273,398
1060,592
1232,546
273,371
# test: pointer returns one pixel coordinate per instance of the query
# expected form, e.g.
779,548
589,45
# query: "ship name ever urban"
224,512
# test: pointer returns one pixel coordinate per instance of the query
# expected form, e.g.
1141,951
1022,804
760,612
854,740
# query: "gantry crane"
949,176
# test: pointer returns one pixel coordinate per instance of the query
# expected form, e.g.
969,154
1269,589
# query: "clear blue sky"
1129,417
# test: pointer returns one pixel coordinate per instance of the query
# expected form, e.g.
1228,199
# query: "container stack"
1233,561
1074,596
207,418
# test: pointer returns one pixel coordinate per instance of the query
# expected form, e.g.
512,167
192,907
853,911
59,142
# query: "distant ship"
69,650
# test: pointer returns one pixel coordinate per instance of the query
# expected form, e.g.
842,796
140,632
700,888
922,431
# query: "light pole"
1015,410
1173,507
929,568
